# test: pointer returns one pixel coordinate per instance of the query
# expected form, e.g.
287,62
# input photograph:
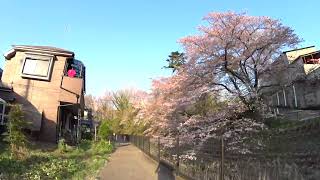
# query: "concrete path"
129,163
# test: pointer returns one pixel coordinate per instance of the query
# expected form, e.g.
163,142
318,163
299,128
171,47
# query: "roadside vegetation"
287,137
82,162
120,112
23,159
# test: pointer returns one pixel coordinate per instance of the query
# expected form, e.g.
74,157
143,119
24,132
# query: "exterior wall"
40,99
307,96
292,55
296,84
308,68
302,76
70,88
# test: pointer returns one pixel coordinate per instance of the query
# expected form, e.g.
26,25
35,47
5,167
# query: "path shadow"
165,171
122,144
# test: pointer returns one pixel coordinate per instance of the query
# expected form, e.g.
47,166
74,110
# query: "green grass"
279,123
291,137
81,162
276,124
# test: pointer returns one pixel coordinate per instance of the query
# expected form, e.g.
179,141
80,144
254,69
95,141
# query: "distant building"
293,80
38,79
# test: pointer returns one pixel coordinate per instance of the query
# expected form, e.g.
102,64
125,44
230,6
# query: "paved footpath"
129,163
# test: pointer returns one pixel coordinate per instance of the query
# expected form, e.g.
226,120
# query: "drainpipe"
58,125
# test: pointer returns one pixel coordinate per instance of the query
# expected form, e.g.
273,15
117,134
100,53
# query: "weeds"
64,163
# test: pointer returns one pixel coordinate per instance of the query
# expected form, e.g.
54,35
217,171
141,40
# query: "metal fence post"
134,140
222,160
143,149
178,155
138,142
141,142
159,149
149,146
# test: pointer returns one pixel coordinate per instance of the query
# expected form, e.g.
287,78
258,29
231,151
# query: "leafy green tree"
125,113
175,60
139,128
121,109
205,105
121,101
14,136
116,125
208,104
105,130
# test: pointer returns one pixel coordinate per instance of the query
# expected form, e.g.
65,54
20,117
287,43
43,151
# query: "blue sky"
125,43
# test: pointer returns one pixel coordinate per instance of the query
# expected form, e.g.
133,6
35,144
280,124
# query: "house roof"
38,49
307,54
298,49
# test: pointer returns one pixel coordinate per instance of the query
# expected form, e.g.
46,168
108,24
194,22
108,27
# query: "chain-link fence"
217,159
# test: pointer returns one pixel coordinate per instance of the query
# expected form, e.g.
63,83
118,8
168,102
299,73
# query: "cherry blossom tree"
219,80
173,101
233,50
104,107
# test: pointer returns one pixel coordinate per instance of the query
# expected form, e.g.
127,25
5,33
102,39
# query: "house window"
312,59
37,67
77,66
4,110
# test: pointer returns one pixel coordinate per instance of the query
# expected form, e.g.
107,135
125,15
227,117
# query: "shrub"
14,136
62,146
102,147
104,130
80,163
56,168
86,133
85,145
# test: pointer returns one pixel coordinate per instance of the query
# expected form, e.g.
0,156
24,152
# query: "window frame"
2,113
81,71
38,56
